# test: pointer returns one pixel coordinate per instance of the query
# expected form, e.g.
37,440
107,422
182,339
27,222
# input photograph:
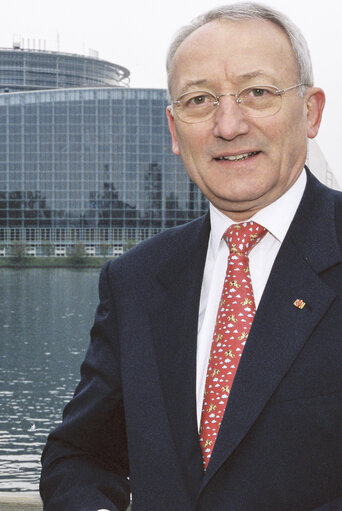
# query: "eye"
197,99
257,95
258,92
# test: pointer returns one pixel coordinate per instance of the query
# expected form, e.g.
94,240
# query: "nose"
229,119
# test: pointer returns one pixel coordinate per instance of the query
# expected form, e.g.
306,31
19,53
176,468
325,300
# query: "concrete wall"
22,502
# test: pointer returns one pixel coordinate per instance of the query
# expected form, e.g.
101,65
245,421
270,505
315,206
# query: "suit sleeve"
85,460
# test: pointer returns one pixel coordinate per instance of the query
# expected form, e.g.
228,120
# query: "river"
45,318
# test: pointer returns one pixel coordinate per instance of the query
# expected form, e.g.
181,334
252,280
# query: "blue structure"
90,165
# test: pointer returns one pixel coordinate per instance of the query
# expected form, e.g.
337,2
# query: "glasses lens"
196,106
260,101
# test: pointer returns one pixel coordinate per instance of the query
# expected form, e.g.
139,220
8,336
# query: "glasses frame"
239,101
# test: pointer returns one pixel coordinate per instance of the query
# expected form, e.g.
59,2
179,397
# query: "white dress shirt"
276,218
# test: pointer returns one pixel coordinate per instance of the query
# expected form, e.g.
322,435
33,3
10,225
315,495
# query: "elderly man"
213,378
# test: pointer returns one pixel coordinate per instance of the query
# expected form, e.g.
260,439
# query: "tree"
48,248
18,250
78,253
128,244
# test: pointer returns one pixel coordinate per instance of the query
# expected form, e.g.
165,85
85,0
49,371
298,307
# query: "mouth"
237,157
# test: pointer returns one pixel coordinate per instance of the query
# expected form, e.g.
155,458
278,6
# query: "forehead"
233,52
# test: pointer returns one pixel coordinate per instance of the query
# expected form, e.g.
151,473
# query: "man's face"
226,56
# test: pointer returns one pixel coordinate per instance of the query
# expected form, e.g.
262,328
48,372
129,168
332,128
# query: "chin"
239,202
238,196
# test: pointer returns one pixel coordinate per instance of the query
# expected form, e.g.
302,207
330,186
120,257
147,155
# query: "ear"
315,102
172,128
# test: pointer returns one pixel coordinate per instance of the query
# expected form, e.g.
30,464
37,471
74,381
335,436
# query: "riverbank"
23,502
53,262
20,501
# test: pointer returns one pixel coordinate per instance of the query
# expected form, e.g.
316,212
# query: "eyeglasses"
256,101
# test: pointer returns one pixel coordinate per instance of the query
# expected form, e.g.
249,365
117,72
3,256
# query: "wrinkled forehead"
226,50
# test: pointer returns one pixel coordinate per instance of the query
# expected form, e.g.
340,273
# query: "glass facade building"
91,166
38,70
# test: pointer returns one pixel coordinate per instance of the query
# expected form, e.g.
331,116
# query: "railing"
23,502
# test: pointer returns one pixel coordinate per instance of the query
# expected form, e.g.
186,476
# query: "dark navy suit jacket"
134,412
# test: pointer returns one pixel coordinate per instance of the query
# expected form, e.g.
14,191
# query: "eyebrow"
254,74
259,73
193,83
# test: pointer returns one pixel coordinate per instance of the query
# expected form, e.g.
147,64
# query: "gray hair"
247,11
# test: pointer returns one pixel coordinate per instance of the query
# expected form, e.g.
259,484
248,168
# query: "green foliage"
51,262
128,244
48,248
78,254
18,250
105,249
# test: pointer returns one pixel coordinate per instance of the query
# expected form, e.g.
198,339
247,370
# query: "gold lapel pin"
300,304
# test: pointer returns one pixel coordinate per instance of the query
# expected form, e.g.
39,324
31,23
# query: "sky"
136,35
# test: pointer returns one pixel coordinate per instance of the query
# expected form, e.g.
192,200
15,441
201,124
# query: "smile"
237,157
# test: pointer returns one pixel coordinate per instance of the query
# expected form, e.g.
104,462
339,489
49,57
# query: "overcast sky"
136,34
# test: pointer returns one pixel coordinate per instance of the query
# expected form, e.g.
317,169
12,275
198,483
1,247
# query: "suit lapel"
280,329
174,329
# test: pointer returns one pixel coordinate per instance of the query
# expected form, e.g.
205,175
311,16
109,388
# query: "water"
45,318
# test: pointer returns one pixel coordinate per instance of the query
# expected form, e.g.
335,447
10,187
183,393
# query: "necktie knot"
241,238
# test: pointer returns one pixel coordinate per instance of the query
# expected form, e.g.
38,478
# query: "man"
260,429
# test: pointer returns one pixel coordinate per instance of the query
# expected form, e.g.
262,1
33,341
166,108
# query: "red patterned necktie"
233,321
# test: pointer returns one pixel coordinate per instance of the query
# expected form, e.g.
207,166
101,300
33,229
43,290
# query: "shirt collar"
276,217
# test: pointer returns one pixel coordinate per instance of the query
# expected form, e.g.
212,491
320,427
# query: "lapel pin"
300,304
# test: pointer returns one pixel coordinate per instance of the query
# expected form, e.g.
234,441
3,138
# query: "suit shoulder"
332,196
337,195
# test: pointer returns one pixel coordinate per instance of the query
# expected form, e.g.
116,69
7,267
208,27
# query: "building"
319,166
22,70
83,159
91,166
